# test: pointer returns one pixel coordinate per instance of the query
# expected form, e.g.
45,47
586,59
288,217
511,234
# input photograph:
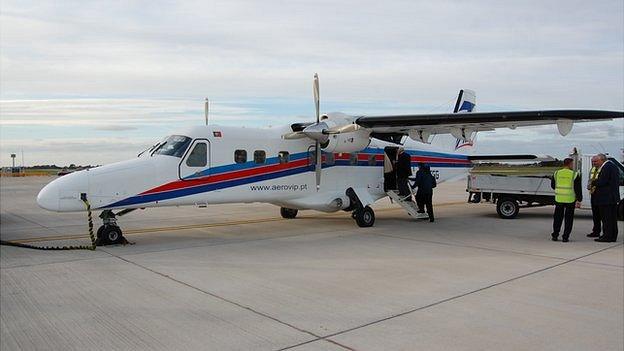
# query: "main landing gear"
364,215
288,213
110,233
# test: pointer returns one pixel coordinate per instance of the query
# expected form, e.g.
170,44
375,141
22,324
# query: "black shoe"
565,240
554,237
602,239
593,235
430,219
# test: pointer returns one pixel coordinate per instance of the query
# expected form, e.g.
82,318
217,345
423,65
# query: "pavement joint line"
167,250
31,221
601,264
50,263
197,226
470,246
238,242
452,298
179,248
152,230
232,302
494,249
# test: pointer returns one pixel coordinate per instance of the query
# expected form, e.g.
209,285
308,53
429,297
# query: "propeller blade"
319,165
343,129
293,135
317,97
319,157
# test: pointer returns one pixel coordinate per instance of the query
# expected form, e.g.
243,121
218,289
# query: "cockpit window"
175,145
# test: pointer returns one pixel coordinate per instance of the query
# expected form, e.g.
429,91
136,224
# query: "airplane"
335,163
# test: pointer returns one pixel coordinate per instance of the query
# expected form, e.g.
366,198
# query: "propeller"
349,128
319,132
317,148
293,135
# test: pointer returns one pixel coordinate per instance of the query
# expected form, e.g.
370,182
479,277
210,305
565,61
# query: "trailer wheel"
507,208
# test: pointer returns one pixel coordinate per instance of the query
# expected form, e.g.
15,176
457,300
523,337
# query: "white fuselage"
275,171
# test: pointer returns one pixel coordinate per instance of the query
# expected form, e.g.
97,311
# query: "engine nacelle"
348,142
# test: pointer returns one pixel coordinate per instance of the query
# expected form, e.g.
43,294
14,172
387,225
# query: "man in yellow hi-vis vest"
593,175
568,196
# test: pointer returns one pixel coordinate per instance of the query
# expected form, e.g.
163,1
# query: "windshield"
175,145
149,150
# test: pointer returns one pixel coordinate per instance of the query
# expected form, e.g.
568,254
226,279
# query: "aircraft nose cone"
48,197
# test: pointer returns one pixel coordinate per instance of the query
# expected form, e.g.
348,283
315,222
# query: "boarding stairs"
409,206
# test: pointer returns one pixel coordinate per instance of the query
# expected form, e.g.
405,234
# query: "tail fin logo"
466,102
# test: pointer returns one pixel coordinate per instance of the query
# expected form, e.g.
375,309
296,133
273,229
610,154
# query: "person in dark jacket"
593,175
425,181
568,196
403,172
606,197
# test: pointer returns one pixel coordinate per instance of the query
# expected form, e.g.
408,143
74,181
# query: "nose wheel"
110,233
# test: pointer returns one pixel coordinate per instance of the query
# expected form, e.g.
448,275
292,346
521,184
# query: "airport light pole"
13,159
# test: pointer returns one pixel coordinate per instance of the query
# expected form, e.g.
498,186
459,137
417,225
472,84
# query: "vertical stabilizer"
466,103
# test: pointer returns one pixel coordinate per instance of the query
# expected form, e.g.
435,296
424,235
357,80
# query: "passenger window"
330,159
198,157
259,156
353,159
283,156
372,161
240,156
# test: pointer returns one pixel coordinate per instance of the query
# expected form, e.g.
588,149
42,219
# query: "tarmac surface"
239,277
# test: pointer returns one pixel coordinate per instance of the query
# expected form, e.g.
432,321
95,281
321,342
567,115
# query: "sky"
97,82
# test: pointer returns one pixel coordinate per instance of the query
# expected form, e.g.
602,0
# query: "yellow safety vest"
593,175
564,186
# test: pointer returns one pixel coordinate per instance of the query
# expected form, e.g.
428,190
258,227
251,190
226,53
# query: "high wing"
464,125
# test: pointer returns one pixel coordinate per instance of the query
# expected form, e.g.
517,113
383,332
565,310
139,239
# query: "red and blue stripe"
232,175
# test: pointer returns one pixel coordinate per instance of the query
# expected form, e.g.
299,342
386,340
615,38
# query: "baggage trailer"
515,187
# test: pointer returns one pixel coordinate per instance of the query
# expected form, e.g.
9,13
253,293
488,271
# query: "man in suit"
403,172
593,175
607,197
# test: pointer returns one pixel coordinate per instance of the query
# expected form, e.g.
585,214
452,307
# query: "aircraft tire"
365,217
288,213
111,234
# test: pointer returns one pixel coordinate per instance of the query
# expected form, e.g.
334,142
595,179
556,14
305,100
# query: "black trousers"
596,217
563,211
425,200
420,202
404,189
608,215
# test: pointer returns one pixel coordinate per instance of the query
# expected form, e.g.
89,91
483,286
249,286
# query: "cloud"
114,128
73,68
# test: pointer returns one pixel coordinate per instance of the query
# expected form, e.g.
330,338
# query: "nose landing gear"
110,233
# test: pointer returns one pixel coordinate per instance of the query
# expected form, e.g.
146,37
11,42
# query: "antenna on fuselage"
206,109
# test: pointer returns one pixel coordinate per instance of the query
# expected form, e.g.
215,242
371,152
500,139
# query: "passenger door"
196,162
